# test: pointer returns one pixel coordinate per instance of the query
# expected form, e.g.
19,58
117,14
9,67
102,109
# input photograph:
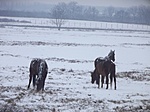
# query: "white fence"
92,24
79,24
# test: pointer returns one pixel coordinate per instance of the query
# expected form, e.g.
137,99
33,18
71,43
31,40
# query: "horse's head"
40,77
111,55
94,77
39,83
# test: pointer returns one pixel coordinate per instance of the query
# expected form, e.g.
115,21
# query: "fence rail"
95,25
75,24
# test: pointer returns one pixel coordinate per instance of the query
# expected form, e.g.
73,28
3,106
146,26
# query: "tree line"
74,11
137,14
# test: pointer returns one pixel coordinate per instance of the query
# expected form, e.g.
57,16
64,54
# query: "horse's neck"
111,56
107,58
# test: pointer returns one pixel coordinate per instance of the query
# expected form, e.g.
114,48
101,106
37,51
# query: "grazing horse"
110,57
38,71
104,68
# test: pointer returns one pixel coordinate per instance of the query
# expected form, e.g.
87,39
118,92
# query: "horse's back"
98,60
111,56
104,66
36,64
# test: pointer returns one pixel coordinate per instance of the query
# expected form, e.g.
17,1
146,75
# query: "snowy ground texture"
70,56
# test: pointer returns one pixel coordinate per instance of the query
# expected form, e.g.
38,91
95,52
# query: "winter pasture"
70,55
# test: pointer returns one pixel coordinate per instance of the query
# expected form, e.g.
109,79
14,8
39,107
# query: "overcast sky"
120,3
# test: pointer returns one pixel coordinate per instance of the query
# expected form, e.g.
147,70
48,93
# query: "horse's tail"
95,62
32,73
30,77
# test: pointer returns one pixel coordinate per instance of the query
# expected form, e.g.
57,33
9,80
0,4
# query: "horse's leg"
114,75
97,80
102,81
111,79
43,83
107,80
30,78
115,81
34,80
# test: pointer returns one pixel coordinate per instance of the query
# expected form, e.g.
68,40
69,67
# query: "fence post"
132,26
95,25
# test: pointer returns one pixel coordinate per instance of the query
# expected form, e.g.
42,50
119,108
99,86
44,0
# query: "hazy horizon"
113,3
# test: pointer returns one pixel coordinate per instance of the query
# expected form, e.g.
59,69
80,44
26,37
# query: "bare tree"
74,11
58,14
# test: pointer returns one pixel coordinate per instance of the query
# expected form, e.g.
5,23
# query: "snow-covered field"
70,56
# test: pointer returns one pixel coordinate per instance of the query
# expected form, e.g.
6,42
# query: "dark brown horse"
104,61
111,56
38,72
104,68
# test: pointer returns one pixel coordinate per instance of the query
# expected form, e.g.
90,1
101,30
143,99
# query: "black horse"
38,71
104,62
104,68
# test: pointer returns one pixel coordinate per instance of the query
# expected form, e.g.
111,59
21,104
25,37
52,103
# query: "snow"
70,56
